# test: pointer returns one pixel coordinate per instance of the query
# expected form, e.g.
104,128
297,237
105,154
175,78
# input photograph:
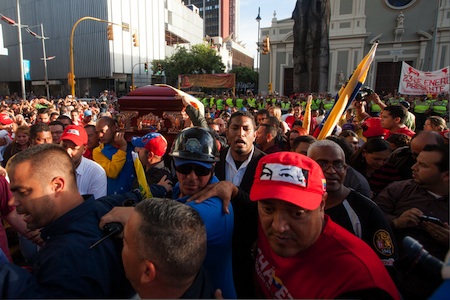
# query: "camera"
418,259
432,220
365,91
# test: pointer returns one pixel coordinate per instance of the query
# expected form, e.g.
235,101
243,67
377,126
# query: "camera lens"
416,257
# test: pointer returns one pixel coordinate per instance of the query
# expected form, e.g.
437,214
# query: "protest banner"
416,82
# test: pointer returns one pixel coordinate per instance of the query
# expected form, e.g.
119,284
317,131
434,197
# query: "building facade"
415,31
99,63
220,17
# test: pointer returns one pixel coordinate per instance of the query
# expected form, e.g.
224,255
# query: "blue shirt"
65,267
219,231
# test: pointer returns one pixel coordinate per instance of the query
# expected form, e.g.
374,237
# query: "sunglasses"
187,169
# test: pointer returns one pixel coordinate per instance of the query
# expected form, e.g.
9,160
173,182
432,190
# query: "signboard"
207,80
26,69
415,82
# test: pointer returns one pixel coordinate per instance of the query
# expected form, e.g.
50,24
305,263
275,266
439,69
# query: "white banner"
415,82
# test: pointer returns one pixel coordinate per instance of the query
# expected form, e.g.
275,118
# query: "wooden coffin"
151,109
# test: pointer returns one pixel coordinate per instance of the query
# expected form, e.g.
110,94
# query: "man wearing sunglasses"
195,153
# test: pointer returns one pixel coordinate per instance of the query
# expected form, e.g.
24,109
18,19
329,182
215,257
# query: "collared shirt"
231,173
91,178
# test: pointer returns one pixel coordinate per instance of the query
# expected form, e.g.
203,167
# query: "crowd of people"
246,202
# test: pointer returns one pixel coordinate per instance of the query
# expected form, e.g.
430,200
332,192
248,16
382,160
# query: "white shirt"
91,178
231,173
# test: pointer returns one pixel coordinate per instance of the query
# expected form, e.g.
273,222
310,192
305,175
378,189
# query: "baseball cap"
5,119
76,134
153,142
291,177
372,127
87,113
348,126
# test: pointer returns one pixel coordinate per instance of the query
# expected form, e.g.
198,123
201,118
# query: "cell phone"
434,220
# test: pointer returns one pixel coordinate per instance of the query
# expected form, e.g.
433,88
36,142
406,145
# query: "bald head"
322,145
423,138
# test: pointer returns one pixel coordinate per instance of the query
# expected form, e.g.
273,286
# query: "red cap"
291,177
5,119
372,128
76,134
153,142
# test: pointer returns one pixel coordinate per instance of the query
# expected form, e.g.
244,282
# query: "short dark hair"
303,139
262,111
44,160
43,110
171,234
241,113
38,127
52,123
64,117
397,111
443,150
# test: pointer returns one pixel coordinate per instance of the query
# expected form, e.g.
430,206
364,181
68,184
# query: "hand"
225,190
409,218
166,183
117,214
119,139
2,171
35,237
218,294
438,232
183,99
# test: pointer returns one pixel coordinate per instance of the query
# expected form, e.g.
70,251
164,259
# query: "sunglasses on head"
187,169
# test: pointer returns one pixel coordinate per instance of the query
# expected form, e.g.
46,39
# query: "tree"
200,60
246,78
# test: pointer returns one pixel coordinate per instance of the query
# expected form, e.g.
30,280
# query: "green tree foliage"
245,74
200,60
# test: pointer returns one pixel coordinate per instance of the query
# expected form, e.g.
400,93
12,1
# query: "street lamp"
45,58
258,19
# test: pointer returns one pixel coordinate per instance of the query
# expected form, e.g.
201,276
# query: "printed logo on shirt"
269,279
383,242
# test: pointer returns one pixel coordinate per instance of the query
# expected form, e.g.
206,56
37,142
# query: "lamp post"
71,75
258,19
45,58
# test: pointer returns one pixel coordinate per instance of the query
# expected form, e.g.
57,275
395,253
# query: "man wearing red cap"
151,149
91,178
301,252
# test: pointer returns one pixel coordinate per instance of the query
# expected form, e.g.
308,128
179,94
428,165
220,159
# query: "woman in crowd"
20,142
371,161
435,123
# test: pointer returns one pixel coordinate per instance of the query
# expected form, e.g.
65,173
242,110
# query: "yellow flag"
348,92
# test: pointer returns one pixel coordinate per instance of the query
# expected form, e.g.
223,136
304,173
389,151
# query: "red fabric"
5,209
337,263
404,130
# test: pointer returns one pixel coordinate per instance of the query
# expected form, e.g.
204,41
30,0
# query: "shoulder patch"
383,242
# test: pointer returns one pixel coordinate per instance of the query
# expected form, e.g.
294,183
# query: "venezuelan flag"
347,93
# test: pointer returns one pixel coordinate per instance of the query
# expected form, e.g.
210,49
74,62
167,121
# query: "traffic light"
70,78
135,40
160,69
110,32
266,45
146,68
269,86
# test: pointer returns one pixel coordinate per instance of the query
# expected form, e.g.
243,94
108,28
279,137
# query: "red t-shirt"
404,130
337,263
